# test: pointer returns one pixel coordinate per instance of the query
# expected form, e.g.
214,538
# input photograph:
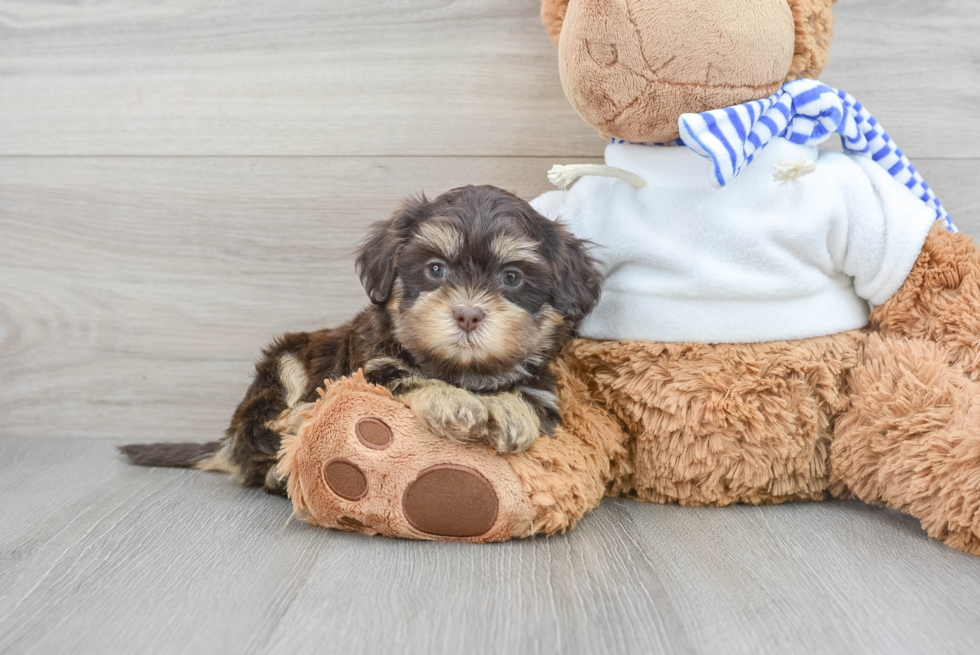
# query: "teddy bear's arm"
886,227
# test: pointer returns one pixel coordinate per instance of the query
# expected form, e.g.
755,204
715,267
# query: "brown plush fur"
727,423
553,15
632,68
889,419
544,490
813,25
889,414
911,439
940,300
814,21
329,435
567,475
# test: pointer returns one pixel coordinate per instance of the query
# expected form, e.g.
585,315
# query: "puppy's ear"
377,258
578,281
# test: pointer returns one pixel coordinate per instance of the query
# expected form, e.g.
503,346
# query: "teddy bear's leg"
940,299
911,438
363,462
567,474
723,424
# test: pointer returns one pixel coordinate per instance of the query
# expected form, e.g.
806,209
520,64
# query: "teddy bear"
778,323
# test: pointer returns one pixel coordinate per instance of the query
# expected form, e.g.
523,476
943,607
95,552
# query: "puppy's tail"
179,455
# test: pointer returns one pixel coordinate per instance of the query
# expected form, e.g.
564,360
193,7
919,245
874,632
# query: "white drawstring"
787,170
563,176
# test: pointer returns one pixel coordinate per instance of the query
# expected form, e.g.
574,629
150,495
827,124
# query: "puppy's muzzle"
468,318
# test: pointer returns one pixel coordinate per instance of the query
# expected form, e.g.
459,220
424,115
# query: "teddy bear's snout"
602,53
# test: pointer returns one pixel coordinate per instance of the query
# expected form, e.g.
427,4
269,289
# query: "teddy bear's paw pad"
345,478
373,433
449,500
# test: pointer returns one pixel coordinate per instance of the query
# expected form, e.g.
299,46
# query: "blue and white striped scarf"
804,112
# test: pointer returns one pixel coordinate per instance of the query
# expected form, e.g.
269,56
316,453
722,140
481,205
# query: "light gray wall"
179,181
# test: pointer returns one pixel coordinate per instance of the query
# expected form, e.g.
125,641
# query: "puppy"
473,294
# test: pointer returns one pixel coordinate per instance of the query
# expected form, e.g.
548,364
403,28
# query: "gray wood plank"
912,63
586,592
835,577
103,557
259,77
138,291
426,77
97,556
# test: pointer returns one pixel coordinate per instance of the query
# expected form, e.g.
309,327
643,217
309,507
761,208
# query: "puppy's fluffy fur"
473,294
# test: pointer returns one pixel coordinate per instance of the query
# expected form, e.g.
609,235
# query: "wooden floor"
99,557
180,180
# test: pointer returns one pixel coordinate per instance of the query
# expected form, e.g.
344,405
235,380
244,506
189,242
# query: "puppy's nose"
467,318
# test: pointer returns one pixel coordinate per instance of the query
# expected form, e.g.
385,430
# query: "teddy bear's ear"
553,15
814,30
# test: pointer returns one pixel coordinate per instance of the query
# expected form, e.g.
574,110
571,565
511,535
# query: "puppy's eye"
435,270
511,278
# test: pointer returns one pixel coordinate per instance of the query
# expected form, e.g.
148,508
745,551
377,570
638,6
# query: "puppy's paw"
449,411
513,424
386,371
274,484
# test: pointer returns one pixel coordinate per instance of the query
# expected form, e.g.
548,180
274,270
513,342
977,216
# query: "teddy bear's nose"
468,318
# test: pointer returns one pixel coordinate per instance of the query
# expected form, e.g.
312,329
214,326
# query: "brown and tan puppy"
473,294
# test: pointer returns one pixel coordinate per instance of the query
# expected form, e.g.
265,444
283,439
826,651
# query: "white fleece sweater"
754,261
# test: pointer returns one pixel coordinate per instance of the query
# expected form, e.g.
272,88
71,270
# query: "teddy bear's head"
632,67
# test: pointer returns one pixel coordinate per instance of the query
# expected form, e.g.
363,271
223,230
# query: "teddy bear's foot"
911,439
363,462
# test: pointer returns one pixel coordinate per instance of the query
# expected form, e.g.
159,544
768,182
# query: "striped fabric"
804,112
